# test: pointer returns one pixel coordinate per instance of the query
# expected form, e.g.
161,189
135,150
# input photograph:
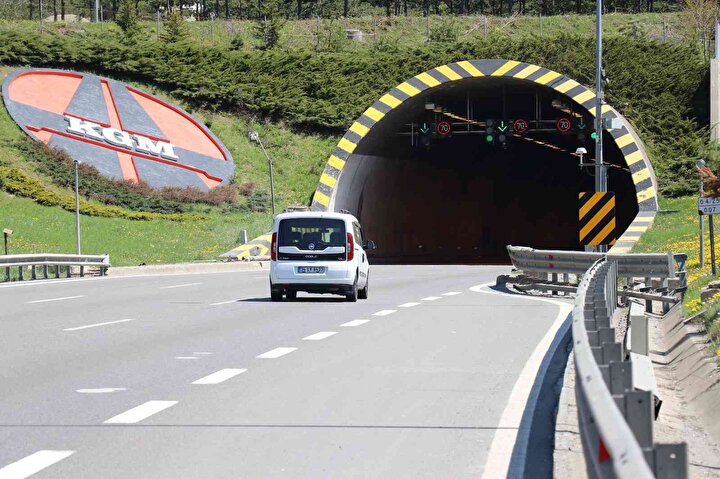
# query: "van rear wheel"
363,293
352,295
276,294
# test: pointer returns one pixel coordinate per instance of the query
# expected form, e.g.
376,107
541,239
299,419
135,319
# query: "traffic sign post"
710,207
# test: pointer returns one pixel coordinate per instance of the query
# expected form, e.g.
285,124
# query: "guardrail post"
33,275
620,377
45,271
639,416
20,273
82,271
57,271
68,271
7,274
671,461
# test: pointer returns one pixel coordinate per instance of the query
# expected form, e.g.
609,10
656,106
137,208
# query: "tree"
126,18
62,10
269,23
55,10
175,28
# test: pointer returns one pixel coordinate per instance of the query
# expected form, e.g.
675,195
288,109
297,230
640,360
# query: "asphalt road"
201,376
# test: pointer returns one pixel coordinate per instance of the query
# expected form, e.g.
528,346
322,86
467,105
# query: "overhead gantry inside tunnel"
457,162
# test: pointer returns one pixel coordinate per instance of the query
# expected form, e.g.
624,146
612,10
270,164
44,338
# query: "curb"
187,268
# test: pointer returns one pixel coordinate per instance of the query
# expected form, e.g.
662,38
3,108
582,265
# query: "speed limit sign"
563,124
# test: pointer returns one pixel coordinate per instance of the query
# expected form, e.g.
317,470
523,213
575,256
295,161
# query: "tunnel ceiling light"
429,106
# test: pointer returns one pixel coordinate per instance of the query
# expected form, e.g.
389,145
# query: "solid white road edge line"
180,285
98,324
385,312
219,376
431,298
408,305
320,335
276,353
33,463
138,413
452,293
503,443
53,299
355,322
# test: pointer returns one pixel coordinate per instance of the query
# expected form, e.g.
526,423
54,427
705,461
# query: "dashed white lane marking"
452,293
219,376
54,299
408,305
180,285
276,353
431,298
384,312
33,463
355,322
138,413
78,328
186,357
503,443
99,390
320,335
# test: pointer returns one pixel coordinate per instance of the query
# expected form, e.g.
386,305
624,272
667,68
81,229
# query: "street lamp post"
699,164
600,173
77,208
253,136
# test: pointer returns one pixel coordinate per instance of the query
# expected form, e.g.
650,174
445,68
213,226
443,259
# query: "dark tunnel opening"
461,198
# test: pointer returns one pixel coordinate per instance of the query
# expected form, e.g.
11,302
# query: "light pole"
600,174
7,232
253,136
699,164
77,208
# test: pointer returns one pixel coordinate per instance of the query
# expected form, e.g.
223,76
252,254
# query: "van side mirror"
370,245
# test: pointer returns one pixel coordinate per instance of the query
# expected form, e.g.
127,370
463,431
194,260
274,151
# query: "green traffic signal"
593,135
489,138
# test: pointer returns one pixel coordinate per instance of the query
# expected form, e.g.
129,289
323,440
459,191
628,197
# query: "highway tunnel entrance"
455,172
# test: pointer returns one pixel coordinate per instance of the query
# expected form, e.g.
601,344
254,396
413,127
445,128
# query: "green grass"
403,31
677,229
44,229
298,160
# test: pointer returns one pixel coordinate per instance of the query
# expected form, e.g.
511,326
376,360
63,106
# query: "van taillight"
350,247
273,247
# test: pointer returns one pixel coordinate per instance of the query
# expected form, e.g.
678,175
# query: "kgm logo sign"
122,131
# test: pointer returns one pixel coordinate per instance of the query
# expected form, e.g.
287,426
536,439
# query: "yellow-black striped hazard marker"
597,218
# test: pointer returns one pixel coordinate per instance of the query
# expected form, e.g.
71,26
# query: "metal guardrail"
615,418
48,262
653,265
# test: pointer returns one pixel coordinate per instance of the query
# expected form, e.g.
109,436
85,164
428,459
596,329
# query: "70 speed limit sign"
708,206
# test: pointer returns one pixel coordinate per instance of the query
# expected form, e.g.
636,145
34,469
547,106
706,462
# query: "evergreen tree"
268,25
175,28
126,18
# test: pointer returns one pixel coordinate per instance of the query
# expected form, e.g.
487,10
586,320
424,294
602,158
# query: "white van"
318,252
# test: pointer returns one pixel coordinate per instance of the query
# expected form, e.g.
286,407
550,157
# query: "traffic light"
490,131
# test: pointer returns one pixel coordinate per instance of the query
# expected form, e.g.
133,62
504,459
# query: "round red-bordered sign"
564,124
520,126
443,128
121,130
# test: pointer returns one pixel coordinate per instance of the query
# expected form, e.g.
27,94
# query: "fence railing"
20,266
614,415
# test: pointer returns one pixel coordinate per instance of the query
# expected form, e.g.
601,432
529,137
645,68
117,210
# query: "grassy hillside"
298,160
401,32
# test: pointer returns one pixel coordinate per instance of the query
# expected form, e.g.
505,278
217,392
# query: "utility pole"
600,173
254,136
77,209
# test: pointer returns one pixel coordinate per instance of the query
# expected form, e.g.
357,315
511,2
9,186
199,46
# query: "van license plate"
311,269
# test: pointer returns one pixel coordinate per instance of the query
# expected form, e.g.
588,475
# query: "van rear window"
321,232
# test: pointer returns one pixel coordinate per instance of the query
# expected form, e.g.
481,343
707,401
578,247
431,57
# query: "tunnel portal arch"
625,138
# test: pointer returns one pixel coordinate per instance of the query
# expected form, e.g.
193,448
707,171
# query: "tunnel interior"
505,173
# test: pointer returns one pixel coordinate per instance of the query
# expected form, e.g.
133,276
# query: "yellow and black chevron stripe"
625,140
260,246
596,214
639,225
